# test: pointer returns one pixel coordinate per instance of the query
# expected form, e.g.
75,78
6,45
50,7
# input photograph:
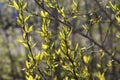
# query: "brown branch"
67,24
106,14
100,46
29,46
70,26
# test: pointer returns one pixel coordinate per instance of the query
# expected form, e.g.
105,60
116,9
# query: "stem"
70,26
71,60
29,46
103,48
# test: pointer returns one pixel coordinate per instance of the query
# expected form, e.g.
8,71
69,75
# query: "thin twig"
68,25
106,14
103,48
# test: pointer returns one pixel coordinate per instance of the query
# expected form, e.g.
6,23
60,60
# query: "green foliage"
56,51
116,9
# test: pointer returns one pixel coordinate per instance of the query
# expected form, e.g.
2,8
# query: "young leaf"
109,63
74,5
85,27
62,12
25,45
19,22
86,59
21,41
24,35
118,19
45,46
27,18
33,45
15,5
30,29
24,6
27,64
76,47
98,65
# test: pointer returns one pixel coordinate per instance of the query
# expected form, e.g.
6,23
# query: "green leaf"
52,45
98,65
19,22
58,51
114,7
118,19
26,28
30,29
30,38
76,47
41,55
66,78
49,5
62,35
100,75
44,28
85,71
20,17
27,18
74,5
118,35
102,54
24,6
67,68
62,12
69,33
24,35
34,45
27,65
15,5
85,27
21,41
44,14
86,59
75,17
37,77
109,63
25,45
45,46
37,57
30,78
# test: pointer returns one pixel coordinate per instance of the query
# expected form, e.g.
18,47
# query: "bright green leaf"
85,27
34,45
45,46
27,18
86,59
25,45
15,5
24,35
24,6
98,65
30,29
